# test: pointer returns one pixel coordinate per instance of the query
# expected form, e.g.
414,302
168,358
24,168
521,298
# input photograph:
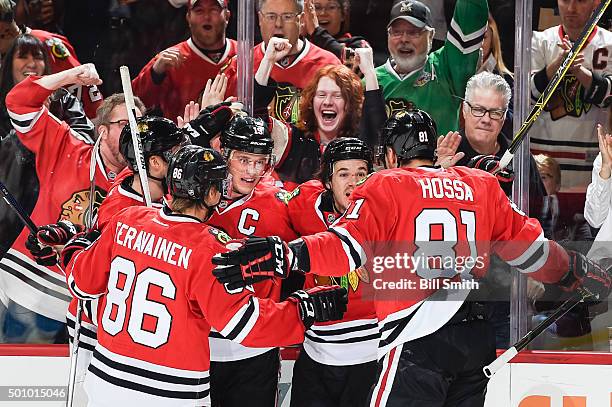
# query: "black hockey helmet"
344,148
248,134
158,136
193,170
411,134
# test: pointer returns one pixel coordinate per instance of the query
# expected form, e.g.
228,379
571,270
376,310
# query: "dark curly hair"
352,93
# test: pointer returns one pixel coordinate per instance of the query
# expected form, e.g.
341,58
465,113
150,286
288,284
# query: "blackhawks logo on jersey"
568,100
220,235
395,104
57,48
76,208
293,194
363,180
286,103
283,196
351,280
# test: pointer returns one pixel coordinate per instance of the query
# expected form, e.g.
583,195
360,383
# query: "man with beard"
413,78
179,74
566,130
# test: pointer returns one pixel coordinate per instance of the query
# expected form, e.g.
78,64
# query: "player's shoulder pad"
305,192
220,235
363,180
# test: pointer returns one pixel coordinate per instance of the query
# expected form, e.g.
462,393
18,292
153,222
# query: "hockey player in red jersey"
179,74
62,165
253,208
159,138
338,363
427,352
152,269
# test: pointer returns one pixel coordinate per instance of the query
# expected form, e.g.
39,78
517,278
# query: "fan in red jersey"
428,351
342,352
179,74
253,207
61,55
151,269
62,163
282,19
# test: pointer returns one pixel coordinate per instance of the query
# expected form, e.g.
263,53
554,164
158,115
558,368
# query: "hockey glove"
79,242
490,164
43,255
210,122
257,259
587,276
320,304
58,233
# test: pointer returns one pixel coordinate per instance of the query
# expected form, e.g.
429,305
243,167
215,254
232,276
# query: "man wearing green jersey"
414,78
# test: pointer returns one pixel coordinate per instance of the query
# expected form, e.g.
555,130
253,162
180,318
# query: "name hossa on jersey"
403,208
354,338
159,300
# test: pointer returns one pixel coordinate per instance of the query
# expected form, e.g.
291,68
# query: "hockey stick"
12,202
505,357
131,108
553,84
89,223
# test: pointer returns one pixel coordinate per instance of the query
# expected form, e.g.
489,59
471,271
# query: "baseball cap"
222,3
415,12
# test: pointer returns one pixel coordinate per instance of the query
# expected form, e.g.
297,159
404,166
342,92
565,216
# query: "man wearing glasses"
414,78
283,19
487,96
179,74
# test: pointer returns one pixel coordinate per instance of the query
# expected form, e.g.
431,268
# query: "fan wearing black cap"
415,78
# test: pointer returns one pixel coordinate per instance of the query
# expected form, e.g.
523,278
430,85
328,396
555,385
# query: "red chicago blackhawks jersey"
263,212
291,77
120,196
153,273
354,339
415,230
183,83
62,166
62,57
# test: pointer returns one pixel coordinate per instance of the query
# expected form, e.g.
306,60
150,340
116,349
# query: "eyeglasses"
120,122
244,163
394,33
330,8
285,17
479,111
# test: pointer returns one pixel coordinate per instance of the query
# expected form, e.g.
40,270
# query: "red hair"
352,93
